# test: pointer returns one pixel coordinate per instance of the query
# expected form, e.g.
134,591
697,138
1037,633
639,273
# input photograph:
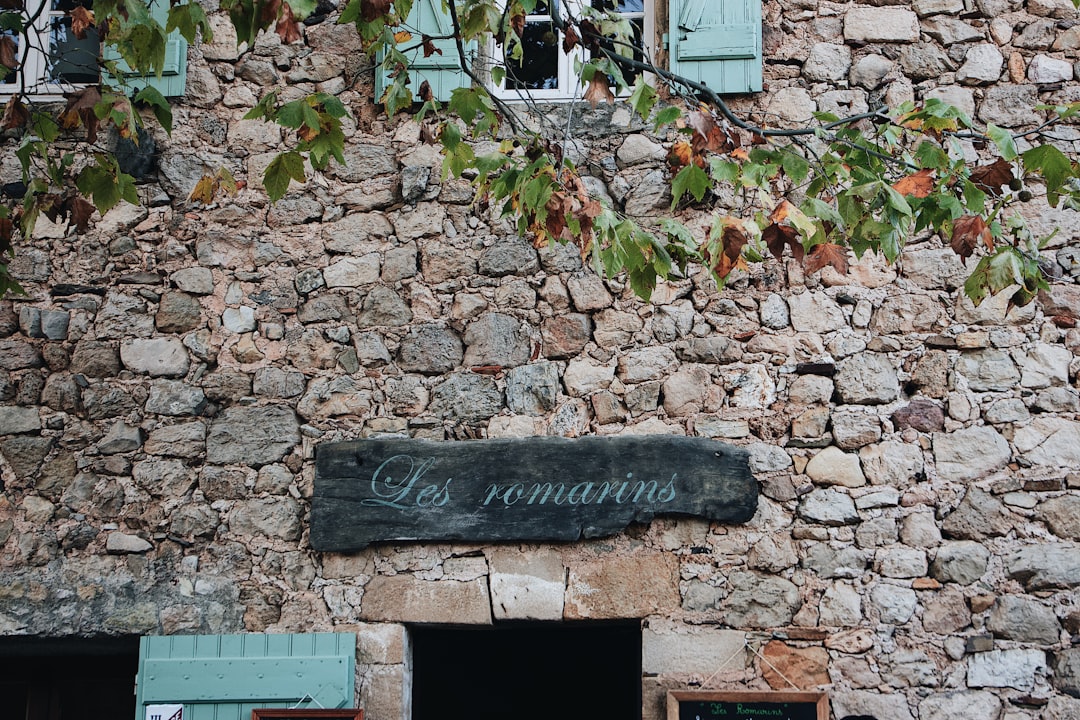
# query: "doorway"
527,671
69,679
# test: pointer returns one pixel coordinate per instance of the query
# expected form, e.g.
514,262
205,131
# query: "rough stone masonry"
916,550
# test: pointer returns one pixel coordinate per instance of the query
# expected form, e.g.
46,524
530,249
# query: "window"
55,61
714,42
545,71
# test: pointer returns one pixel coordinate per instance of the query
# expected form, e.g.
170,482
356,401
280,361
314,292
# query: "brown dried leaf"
80,111
372,10
9,52
777,236
570,39
732,240
918,185
425,92
590,35
51,206
598,90
680,155
81,20
288,27
7,231
204,190
708,135
990,178
429,133
827,254
780,214
585,215
557,206
429,47
517,24
16,115
80,210
968,231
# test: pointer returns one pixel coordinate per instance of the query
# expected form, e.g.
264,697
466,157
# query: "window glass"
634,12
71,60
538,68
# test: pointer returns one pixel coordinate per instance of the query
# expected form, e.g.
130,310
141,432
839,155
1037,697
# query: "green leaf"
1006,145
795,167
993,274
974,198
264,109
724,170
11,22
691,178
282,169
930,155
151,96
643,99
667,116
298,113
105,185
301,9
190,19
1053,165
537,192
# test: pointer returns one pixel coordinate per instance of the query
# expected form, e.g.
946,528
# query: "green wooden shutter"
174,73
718,43
222,677
442,72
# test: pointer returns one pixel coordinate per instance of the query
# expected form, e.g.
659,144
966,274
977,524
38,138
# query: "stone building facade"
916,549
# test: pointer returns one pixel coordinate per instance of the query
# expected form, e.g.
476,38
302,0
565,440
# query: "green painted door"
222,677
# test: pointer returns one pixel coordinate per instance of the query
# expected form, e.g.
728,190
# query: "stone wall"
917,548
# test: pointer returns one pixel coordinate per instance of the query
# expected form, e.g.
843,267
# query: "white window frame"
31,79
569,82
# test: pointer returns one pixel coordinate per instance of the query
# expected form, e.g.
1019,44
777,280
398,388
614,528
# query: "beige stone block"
625,587
527,586
379,643
404,598
384,695
670,648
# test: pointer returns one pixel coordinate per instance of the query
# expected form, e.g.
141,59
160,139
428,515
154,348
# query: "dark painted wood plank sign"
542,488
711,705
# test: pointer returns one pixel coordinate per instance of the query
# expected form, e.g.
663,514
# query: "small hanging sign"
711,705
539,488
165,712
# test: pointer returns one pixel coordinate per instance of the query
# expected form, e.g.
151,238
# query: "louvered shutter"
718,43
442,72
223,677
174,72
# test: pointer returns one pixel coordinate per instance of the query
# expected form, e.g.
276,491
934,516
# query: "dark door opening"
527,671
68,679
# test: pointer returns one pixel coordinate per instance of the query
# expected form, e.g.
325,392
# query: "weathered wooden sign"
544,488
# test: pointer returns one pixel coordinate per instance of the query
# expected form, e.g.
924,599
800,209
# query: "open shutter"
717,43
223,677
442,72
173,74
